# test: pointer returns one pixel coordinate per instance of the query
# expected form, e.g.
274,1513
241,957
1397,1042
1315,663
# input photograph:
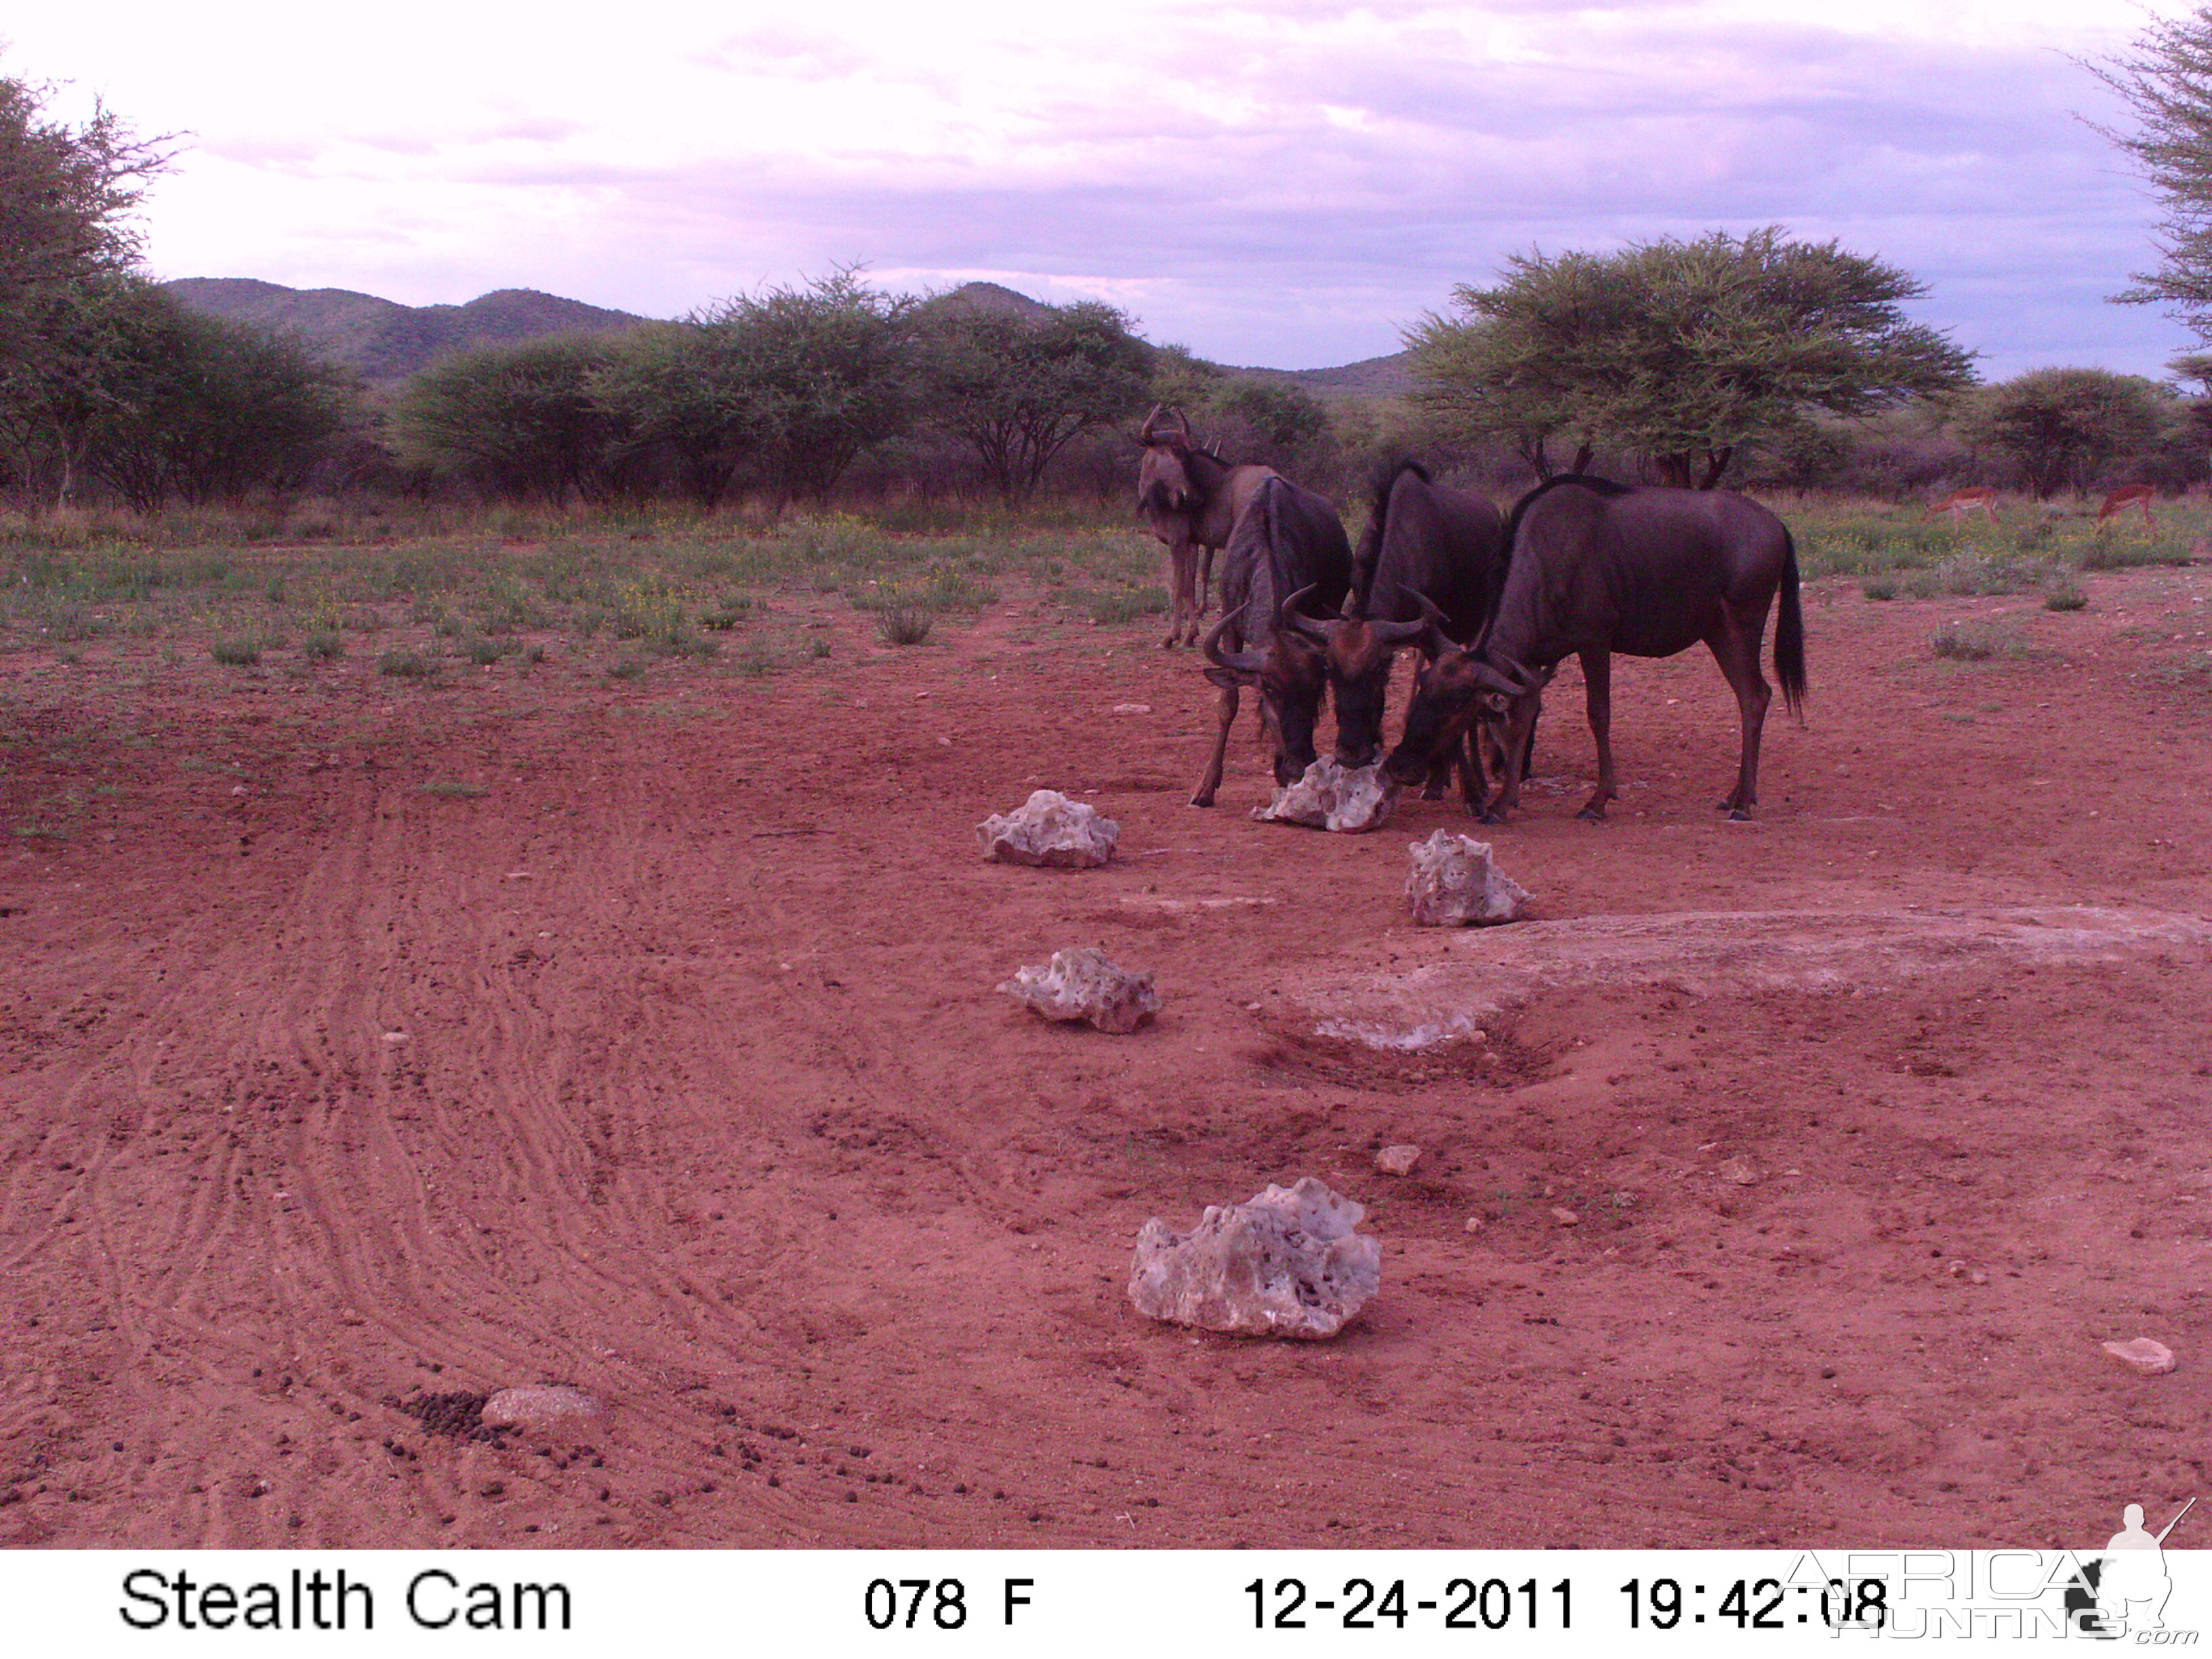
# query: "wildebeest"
1191,498
1288,543
1595,568
1428,572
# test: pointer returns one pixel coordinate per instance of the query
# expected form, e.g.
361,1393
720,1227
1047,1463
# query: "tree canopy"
1685,352
2064,426
2166,80
1018,389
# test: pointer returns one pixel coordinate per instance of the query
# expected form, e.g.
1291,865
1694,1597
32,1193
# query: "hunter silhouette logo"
2122,1591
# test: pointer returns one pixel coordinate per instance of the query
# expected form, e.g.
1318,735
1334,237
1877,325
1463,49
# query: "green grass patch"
455,790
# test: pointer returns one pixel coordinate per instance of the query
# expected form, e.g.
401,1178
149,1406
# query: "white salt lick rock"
1327,796
1454,883
1285,1263
1050,831
1084,984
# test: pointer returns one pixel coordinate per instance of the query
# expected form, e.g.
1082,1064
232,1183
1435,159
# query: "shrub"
405,665
323,645
236,654
902,625
2066,594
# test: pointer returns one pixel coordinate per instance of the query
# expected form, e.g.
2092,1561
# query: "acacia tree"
2166,82
1684,351
518,419
67,242
2064,426
1018,387
797,380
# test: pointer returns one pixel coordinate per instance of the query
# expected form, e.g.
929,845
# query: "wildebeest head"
1356,654
1289,675
1164,483
1454,687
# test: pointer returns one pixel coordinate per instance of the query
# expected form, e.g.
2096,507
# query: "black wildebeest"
1287,542
1595,568
1191,498
1427,572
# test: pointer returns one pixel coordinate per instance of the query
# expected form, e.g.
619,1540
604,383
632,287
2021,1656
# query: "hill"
385,341
1370,377
382,339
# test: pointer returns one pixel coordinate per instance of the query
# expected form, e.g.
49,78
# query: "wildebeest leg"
1211,780
1736,650
1472,786
1597,698
1183,615
1519,725
1204,555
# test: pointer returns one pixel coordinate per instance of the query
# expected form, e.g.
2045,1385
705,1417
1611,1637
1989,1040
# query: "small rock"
1083,984
1563,1215
2142,1356
1397,1160
1474,1224
1132,708
1284,1263
1454,883
1050,830
1741,1170
538,1405
1350,800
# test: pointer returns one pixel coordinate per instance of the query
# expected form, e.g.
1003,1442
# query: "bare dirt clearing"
371,1047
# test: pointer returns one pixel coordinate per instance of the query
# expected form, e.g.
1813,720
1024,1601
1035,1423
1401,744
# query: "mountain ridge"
384,341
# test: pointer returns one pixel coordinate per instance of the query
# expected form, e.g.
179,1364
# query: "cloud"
1288,183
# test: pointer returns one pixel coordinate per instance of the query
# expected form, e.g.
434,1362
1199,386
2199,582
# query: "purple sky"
1290,184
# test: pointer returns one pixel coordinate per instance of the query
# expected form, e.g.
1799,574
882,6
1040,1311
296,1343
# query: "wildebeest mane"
1369,551
1591,481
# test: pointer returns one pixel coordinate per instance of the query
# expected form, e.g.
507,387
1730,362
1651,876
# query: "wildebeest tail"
1789,633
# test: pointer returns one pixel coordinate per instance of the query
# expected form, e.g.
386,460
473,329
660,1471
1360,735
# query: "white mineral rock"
1328,796
1082,984
1286,1263
537,1404
1454,882
1048,828
1397,1160
2143,1355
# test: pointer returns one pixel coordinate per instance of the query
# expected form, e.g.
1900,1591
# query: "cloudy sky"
1287,183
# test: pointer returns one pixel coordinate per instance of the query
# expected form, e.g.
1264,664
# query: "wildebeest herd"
1491,602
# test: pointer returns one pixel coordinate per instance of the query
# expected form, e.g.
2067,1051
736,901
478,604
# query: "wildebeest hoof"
1491,817
1434,792
1592,815
1737,815
1201,801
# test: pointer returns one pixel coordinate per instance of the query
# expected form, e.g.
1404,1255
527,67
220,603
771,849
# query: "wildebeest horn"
1287,615
1241,662
1150,435
1401,633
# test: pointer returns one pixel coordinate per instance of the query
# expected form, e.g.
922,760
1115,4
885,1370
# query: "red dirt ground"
670,1066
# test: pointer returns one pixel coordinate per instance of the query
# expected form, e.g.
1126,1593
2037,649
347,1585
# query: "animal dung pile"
1454,884
1285,1263
1082,984
1329,796
1050,831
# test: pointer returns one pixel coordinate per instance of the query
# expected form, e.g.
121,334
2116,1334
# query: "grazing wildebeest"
1191,498
1595,568
1427,572
1287,543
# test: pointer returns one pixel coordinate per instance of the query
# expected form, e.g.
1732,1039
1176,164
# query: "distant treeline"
1757,361
838,393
